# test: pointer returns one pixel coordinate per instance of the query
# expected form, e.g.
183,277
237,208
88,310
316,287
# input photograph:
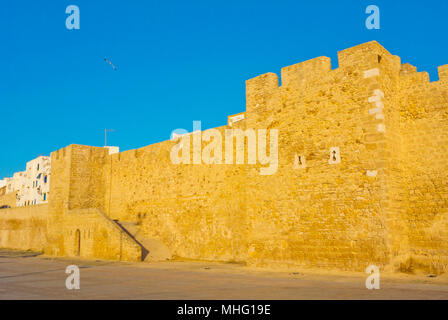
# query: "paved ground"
27,276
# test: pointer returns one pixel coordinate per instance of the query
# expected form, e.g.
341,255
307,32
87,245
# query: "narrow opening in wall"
334,61
433,73
379,59
78,242
279,78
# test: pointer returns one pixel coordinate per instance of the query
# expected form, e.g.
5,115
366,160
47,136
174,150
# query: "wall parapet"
443,73
298,74
24,228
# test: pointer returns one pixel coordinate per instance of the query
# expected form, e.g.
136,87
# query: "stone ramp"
152,249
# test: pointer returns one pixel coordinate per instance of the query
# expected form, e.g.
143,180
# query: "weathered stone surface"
384,202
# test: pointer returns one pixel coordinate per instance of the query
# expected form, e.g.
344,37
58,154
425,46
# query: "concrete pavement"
27,276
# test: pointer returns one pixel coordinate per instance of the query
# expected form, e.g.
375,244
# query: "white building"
113,150
33,185
2,183
16,183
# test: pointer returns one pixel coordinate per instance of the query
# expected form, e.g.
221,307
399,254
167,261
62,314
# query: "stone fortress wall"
380,198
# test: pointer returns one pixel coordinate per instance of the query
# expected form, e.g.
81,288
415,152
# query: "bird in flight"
115,68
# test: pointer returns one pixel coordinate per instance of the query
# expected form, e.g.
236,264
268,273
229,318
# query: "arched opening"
78,242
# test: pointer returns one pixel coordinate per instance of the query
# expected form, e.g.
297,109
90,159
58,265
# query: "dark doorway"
78,242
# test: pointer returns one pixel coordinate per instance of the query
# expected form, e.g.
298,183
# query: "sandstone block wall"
423,109
320,215
88,233
77,226
24,228
347,215
196,210
79,178
361,177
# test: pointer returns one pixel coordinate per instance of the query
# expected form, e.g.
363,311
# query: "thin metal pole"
105,135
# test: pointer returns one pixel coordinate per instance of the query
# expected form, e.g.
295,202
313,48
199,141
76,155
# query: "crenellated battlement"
361,178
410,71
353,63
360,67
407,68
263,83
300,73
64,153
366,56
61,153
443,73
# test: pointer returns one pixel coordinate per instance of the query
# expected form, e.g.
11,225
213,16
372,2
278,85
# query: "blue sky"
177,61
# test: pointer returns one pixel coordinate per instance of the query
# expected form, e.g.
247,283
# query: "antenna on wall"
105,135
